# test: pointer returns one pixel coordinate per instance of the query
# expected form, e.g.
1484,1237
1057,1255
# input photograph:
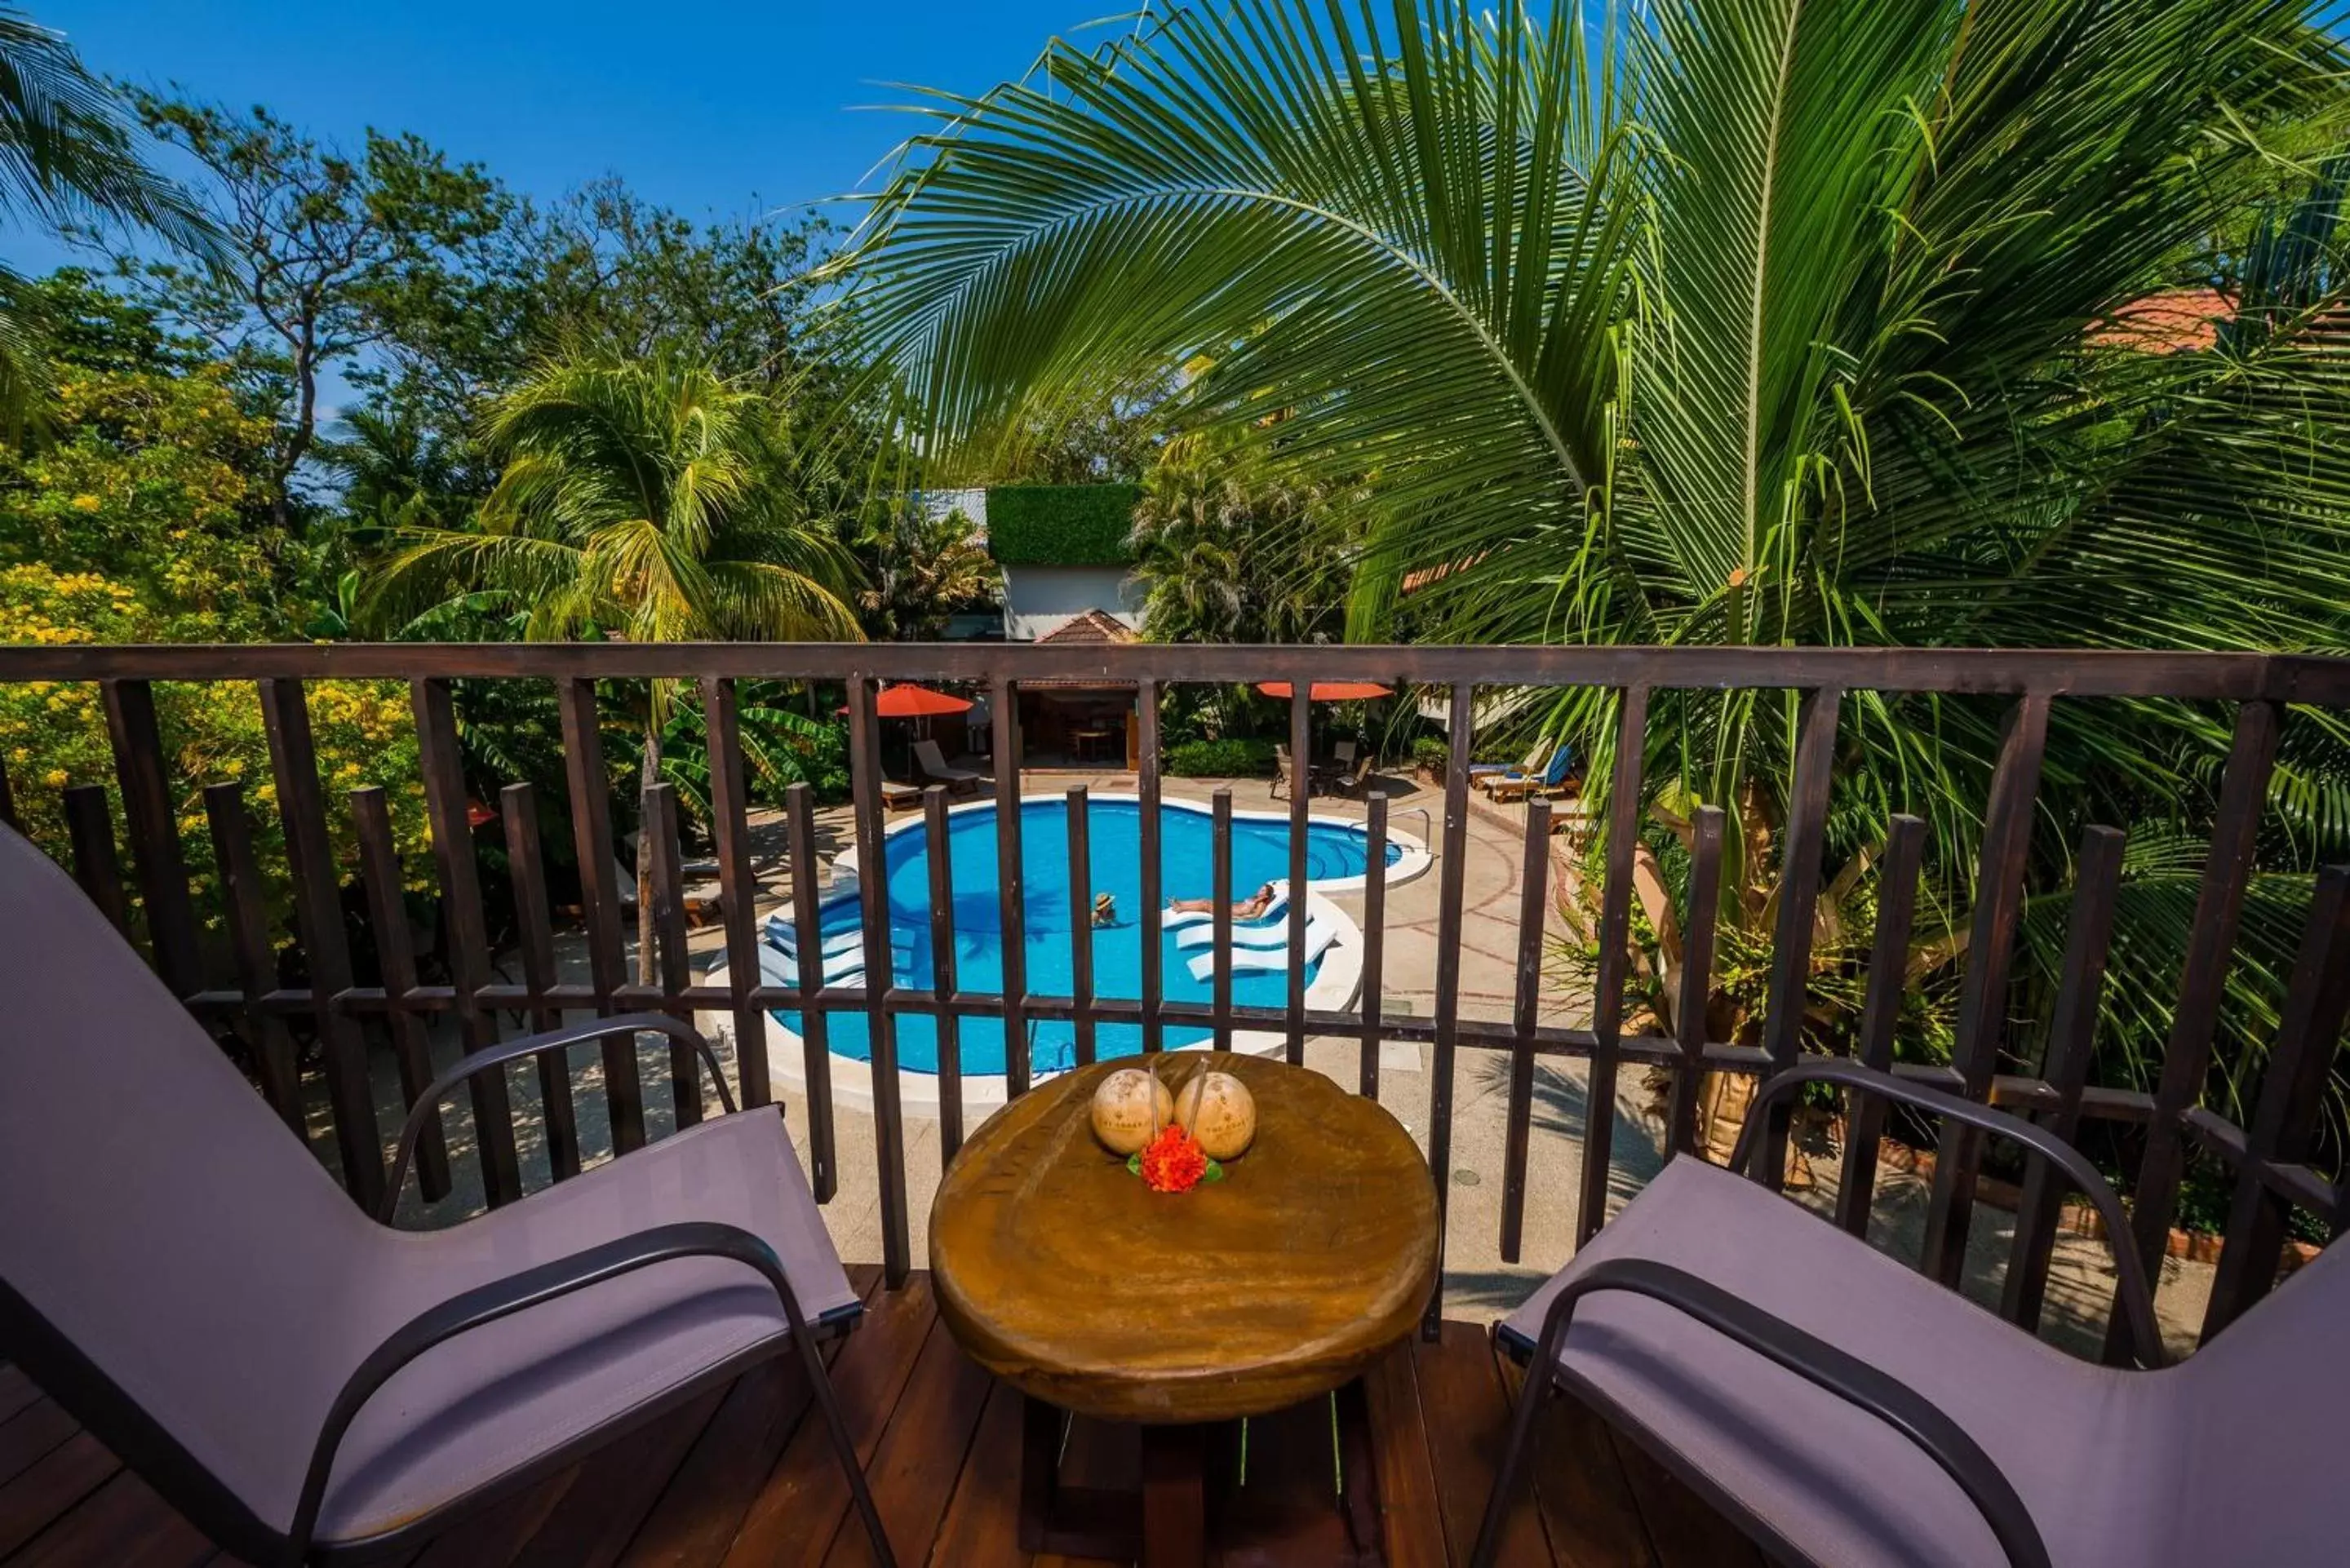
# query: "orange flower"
1173,1161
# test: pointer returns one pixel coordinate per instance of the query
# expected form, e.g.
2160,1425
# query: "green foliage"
68,155
1226,759
1726,323
1061,525
1432,754
923,569
1230,550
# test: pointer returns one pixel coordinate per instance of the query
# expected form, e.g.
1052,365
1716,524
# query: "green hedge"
1218,759
1061,525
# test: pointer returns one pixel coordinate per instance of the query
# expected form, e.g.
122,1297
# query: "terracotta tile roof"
2172,322
1094,625
1419,577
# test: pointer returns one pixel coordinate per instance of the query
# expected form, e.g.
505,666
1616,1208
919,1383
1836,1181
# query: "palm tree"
1727,321
67,154
641,499
926,567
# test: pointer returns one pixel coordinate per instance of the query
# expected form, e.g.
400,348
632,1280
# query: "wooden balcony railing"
231,977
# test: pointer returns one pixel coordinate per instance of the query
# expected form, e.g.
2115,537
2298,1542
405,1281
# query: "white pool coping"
1413,861
1338,982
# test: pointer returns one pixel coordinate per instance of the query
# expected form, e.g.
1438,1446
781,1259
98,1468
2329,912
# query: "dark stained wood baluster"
89,830
873,889
1534,901
2072,1041
386,888
449,812
816,1024
1982,1002
1153,910
1011,892
1450,895
1220,892
1301,790
1799,896
2186,1056
1880,1013
534,934
1081,920
738,889
319,926
599,893
154,832
1374,937
1624,789
1695,979
8,799
672,963
242,902
942,969
2293,1096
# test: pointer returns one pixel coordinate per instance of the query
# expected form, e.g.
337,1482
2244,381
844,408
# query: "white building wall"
1037,599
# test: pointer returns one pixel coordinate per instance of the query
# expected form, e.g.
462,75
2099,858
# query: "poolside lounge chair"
1843,1409
1531,763
1319,934
297,1378
1176,919
1550,780
1262,933
961,780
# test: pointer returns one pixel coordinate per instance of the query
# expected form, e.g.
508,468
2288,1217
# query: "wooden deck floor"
738,1478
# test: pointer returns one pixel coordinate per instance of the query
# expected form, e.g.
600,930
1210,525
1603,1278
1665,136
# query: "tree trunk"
650,776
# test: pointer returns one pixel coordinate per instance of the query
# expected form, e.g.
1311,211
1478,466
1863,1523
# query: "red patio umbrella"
1330,690
910,702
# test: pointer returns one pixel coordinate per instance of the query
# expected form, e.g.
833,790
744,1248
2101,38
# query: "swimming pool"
1336,859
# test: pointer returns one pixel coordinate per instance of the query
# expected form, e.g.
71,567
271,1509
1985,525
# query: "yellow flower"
85,503
56,778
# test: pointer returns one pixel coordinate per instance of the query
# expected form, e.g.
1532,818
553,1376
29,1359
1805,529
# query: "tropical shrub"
1227,759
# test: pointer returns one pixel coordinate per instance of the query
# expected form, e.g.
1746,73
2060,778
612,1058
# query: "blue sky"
715,110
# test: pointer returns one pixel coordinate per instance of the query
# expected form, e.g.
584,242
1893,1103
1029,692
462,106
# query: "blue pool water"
1259,854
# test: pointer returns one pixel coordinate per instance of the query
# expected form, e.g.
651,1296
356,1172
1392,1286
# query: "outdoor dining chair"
1842,1408
302,1381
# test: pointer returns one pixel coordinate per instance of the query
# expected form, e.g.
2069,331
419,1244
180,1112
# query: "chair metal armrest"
2137,1294
427,1104
1817,1362
487,1303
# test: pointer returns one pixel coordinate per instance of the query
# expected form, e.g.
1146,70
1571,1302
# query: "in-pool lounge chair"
1844,1408
1319,934
1178,919
960,781
782,933
299,1379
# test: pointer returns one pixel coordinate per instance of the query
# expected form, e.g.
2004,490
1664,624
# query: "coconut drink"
1129,1107
1218,1110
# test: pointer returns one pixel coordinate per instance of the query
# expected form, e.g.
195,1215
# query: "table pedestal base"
1193,1498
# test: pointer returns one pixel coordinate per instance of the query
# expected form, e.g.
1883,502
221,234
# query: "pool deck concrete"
1477,1283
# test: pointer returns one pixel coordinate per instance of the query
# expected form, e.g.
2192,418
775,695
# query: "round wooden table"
1059,1272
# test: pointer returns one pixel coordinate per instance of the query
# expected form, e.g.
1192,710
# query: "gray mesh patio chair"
302,1381
1845,1409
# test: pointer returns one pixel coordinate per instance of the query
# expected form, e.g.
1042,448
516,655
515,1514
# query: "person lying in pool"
1248,909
